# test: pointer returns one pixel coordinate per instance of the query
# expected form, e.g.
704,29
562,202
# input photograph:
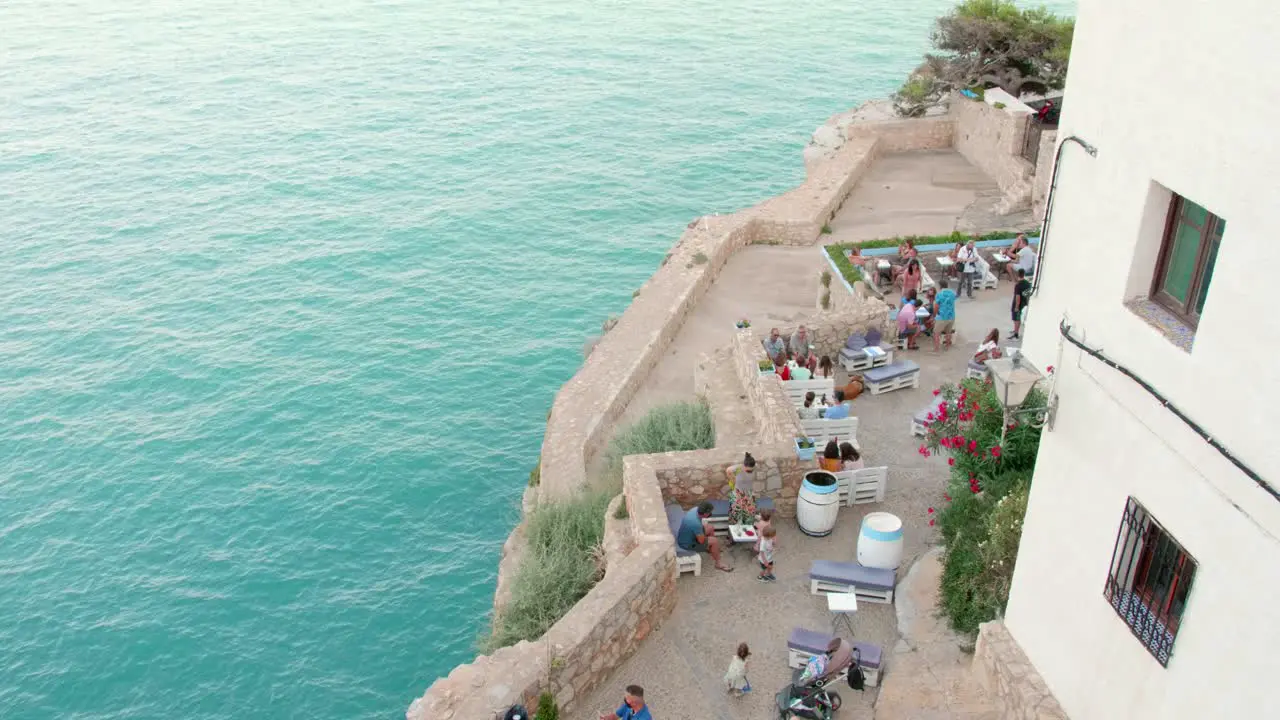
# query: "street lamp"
1013,378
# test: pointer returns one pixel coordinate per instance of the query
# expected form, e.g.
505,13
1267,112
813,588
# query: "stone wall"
991,138
773,410
1019,691
1044,173
688,478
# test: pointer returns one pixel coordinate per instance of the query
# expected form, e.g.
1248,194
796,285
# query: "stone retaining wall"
1008,675
637,592
991,138
772,409
688,478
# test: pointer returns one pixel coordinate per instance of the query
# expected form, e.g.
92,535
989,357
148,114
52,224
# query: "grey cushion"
873,336
855,342
891,371
977,365
675,514
851,573
869,655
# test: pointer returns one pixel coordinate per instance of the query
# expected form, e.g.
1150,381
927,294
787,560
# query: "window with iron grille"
1151,576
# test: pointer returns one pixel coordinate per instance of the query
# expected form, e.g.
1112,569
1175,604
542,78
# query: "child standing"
765,553
735,679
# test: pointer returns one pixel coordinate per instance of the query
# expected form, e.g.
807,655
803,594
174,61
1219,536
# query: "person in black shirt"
1021,298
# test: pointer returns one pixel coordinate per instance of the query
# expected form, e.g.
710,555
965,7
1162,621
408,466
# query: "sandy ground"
682,663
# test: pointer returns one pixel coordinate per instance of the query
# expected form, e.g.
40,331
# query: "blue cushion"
851,573
869,655
720,508
856,342
675,514
891,371
977,365
873,337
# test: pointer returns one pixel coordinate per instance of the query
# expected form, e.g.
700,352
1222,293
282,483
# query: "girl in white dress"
735,679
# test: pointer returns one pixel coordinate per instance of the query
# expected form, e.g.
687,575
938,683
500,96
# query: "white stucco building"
1148,580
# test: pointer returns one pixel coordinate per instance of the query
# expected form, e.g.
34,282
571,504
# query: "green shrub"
558,568
826,229
667,428
621,513
999,105
547,708
700,258
826,300
981,523
825,278
535,475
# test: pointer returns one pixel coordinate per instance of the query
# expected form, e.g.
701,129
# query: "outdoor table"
945,262
884,264
1001,257
842,607
743,535
922,313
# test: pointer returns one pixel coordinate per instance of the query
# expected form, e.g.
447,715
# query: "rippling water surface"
286,289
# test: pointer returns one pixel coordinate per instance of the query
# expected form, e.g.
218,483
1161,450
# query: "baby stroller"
809,697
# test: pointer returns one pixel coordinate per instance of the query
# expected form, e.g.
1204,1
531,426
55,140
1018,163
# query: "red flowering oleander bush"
980,527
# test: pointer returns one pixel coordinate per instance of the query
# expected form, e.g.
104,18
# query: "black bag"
857,680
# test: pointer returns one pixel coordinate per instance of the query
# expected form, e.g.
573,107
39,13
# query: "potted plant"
766,367
804,448
743,324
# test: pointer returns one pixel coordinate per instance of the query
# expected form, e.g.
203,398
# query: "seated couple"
789,368
838,457
799,346
1024,258
839,410
696,532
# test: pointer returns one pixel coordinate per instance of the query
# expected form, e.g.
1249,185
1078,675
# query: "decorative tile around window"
1165,322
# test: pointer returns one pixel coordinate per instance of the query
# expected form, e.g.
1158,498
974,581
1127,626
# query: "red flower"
930,522
951,461
930,511
1050,369
929,416
946,497
936,391
995,452
973,445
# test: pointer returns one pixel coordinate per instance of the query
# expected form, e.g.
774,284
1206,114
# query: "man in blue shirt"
944,319
840,410
695,534
633,707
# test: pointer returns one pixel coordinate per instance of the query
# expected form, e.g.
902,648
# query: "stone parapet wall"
688,478
772,409
991,138
1019,691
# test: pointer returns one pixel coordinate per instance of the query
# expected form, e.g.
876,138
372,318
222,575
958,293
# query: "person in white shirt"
967,259
1023,259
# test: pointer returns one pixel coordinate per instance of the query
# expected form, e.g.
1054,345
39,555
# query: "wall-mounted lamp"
1013,378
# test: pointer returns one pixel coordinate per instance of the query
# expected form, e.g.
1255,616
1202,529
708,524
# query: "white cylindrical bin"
818,503
880,541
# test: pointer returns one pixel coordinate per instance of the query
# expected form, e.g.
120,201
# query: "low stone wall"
690,477
1010,678
991,138
772,409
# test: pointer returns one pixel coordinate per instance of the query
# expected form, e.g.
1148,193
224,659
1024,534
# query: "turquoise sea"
286,289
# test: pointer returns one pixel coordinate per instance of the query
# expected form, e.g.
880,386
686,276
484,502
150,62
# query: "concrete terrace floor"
681,664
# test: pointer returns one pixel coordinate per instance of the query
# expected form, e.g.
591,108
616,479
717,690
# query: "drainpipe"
1048,202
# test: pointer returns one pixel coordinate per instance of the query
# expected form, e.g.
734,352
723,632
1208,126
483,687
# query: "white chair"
857,487
984,279
822,430
796,389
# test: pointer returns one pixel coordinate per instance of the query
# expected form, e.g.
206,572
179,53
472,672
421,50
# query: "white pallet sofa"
898,375
860,360
984,279
822,430
796,389
803,644
868,584
857,487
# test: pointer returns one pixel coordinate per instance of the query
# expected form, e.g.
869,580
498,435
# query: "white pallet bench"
859,360
868,584
857,487
803,644
686,560
821,431
796,389
895,376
